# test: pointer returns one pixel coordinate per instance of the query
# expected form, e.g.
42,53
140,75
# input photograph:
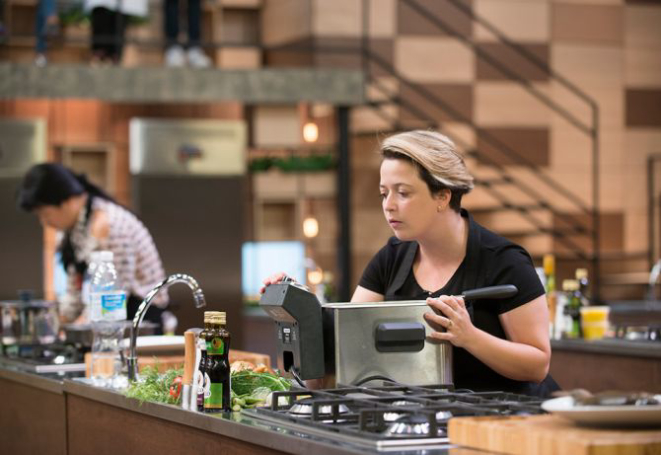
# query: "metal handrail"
496,194
592,131
651,207
532,58
431,17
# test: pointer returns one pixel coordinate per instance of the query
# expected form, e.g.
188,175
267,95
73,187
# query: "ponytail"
92,189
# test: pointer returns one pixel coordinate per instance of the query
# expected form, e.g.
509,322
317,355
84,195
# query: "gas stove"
390,417
50,358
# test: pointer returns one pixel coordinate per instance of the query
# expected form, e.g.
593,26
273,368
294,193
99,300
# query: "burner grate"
387,416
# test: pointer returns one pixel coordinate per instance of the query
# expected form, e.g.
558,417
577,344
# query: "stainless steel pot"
384,340
27,322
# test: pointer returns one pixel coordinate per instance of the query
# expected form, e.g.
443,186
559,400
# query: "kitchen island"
607,364
47,415
33,413
64,414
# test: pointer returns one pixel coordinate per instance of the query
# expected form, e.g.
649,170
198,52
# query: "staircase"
513,196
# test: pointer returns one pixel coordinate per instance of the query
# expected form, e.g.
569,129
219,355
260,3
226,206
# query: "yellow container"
594,321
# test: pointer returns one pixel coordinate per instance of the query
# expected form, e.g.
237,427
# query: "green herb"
251,389
153,386
244,382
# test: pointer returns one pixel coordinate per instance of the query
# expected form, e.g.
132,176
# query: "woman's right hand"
273,279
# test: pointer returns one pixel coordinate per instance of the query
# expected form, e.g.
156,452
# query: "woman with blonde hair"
438,251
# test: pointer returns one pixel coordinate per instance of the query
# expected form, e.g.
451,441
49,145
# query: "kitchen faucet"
654,277
200,301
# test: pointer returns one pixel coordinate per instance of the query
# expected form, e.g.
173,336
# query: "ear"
443,198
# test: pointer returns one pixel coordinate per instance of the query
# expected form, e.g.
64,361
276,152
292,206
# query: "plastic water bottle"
87,279
108,315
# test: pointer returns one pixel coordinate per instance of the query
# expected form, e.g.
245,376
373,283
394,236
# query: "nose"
388,205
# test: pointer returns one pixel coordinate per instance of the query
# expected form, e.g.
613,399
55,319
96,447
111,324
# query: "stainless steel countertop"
49,382
611,346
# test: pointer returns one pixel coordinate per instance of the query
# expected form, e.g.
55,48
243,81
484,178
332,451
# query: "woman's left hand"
450,313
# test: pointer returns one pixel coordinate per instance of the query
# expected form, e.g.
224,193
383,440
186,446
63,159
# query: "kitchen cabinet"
100,429
97,161
603,365
33,417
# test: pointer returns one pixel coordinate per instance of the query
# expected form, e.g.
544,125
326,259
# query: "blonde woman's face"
407,204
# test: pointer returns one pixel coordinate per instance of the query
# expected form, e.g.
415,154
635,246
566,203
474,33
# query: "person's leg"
174,53
196,56
171,22
40,27
97,32
102,33
118,30
194,19
52,21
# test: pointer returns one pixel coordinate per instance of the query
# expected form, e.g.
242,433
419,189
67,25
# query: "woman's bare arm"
526,353
365,295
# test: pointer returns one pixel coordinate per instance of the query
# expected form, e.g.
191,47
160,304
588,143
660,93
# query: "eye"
383,195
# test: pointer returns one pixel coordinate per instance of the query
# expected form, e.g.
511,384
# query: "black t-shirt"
490,260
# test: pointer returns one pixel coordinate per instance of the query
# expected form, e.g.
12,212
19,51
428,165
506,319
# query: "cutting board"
549,435
177,361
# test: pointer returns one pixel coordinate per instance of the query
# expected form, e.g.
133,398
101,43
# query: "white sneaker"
175,57
40,60
197,58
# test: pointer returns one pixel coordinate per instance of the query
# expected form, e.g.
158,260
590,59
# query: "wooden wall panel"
597,24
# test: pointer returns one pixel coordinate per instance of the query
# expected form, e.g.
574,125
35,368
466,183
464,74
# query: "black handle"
399,337
491,292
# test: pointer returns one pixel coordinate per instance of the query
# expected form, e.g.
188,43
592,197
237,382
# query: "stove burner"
393,416
415,404
305,407
443,416
412,425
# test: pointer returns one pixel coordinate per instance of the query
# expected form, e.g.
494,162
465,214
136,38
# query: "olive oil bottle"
218,366
201,382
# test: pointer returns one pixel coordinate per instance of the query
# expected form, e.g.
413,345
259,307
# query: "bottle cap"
581,274
549,264
105,256
95,256
221,318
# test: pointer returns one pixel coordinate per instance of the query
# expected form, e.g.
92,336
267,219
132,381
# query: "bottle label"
216,347
113,305
206,384
215,398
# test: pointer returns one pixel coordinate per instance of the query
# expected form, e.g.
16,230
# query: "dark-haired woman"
90,220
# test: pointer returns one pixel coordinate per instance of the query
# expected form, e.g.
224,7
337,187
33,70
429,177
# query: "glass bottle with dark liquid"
218,366
202,367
